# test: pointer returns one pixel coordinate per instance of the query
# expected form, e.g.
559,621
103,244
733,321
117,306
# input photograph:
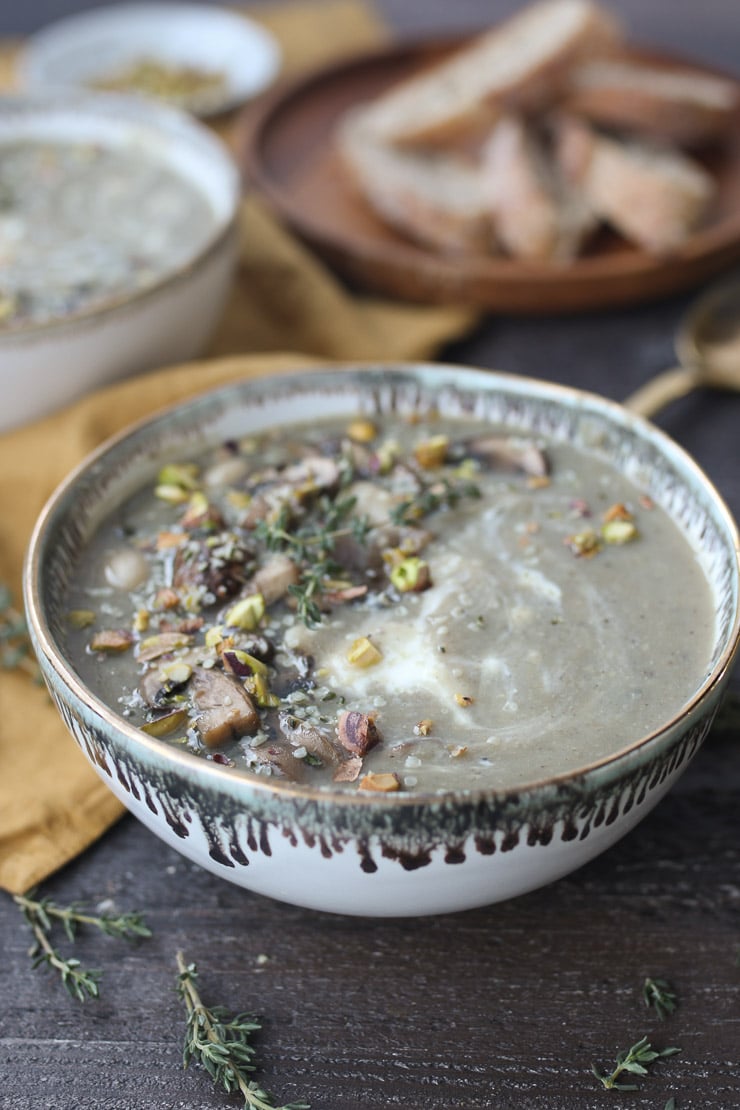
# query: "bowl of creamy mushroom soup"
117,243
387,640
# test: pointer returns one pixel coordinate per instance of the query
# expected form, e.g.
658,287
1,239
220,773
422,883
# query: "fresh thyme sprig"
222,1044
16,652
444,494
659,994
311,546
42,914
634,1060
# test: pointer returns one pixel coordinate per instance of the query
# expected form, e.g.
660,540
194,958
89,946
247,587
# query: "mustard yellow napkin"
52,805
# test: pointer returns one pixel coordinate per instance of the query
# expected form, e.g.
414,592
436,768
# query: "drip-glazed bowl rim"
427,379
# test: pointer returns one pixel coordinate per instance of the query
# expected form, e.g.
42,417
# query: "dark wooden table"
504,1007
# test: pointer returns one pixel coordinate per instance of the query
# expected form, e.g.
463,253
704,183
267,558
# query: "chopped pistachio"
619,531
162,726
170,539
173,495
198,505
238,499
585,543
184,475
386,454
243,660
112,640
363,653
161,643
362,431
468,468
247,613
617,511
385,783
8,306
431,453
257,686
411,575
176,673
214,636
464,700
141,620
81,618
166,598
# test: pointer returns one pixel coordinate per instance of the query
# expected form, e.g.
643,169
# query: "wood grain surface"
505,1007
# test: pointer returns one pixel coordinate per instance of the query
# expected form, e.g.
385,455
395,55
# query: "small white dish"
82,49
46,364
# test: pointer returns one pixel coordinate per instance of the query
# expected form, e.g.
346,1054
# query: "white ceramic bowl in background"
88,46
387,854
45,365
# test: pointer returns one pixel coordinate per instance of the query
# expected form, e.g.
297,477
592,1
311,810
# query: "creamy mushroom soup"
392,606
83,225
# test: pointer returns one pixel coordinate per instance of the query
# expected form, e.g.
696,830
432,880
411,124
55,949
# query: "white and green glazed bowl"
47,364
395,854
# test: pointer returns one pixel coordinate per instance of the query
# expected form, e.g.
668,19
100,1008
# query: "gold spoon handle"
660,391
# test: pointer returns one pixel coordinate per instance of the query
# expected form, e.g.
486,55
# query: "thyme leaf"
42,914
444,494
311,547
659,994
222,1044
635,1061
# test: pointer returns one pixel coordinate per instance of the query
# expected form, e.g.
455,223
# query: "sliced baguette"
653,196
676,104
438,200
521,64
537,214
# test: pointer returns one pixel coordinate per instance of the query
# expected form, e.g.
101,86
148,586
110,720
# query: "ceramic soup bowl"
170,316
396,853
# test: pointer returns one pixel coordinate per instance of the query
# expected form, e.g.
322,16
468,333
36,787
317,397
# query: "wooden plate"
287,151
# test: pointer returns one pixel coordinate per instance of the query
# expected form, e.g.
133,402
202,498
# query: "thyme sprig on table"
659,994
16,652
42,914
222,1044
634,1060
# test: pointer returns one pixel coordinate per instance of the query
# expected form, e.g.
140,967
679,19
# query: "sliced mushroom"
274,579
501,452
225,710
315,471
301,734
348,770
280,759
199,565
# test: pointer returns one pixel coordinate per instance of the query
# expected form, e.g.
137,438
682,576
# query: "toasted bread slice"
538,215
436,199
653,196
520,64
673,103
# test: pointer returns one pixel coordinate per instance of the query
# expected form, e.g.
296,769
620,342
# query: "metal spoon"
708,350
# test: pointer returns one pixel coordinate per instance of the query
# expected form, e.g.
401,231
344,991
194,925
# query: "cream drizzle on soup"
83,224
392,606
